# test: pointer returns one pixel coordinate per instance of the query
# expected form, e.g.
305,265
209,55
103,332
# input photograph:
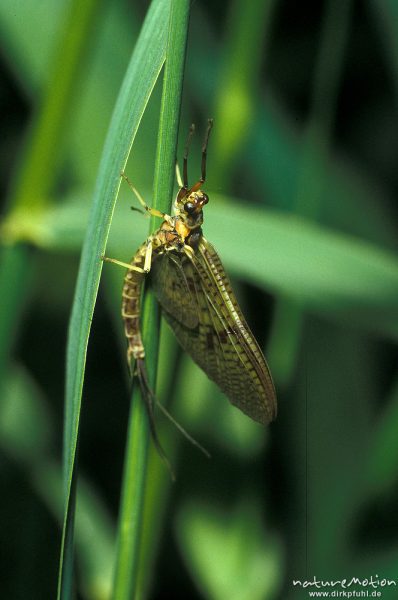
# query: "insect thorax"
174,235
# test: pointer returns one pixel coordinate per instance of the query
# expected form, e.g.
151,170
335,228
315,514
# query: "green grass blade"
37,174
27,59
132,505
26,438
245,49
142,73
327,272
37,171
134,479
12,263
273,158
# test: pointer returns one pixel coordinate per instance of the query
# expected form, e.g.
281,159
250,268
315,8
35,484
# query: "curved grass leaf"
26,437
325,271
36,172
26,58
142,73
128,567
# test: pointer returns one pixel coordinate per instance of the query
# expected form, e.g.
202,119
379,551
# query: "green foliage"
301,183
127,567
240,538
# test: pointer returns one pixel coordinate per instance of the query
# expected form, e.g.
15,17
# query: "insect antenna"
184,187
202,179
186,152
204,150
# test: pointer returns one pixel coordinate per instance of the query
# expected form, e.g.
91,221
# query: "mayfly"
195,294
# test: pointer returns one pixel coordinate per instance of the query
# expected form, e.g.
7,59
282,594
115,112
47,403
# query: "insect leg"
189,251
120,263
148,256
152,211
180,182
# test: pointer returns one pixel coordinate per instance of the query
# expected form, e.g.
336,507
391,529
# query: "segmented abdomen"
131,305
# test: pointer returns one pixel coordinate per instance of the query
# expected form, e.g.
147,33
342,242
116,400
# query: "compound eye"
189,207
205,198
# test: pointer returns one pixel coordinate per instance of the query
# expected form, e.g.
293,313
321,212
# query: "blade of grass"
327,272
158,485
132,503
27,59
141,75
26,438
273,157
15,280
36,173
246,34
35,179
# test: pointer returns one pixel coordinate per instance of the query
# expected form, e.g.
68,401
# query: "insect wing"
170,283
220,341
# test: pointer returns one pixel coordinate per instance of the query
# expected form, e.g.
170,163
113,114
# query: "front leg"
152,211
145,250
120,263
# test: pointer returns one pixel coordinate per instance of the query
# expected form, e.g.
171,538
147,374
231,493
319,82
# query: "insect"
195,294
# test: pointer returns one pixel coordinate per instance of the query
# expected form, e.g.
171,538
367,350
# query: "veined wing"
175,292
220,340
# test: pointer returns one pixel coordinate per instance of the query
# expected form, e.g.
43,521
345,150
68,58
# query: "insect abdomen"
131,306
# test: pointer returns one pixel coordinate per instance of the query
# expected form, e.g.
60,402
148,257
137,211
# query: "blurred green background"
302,181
